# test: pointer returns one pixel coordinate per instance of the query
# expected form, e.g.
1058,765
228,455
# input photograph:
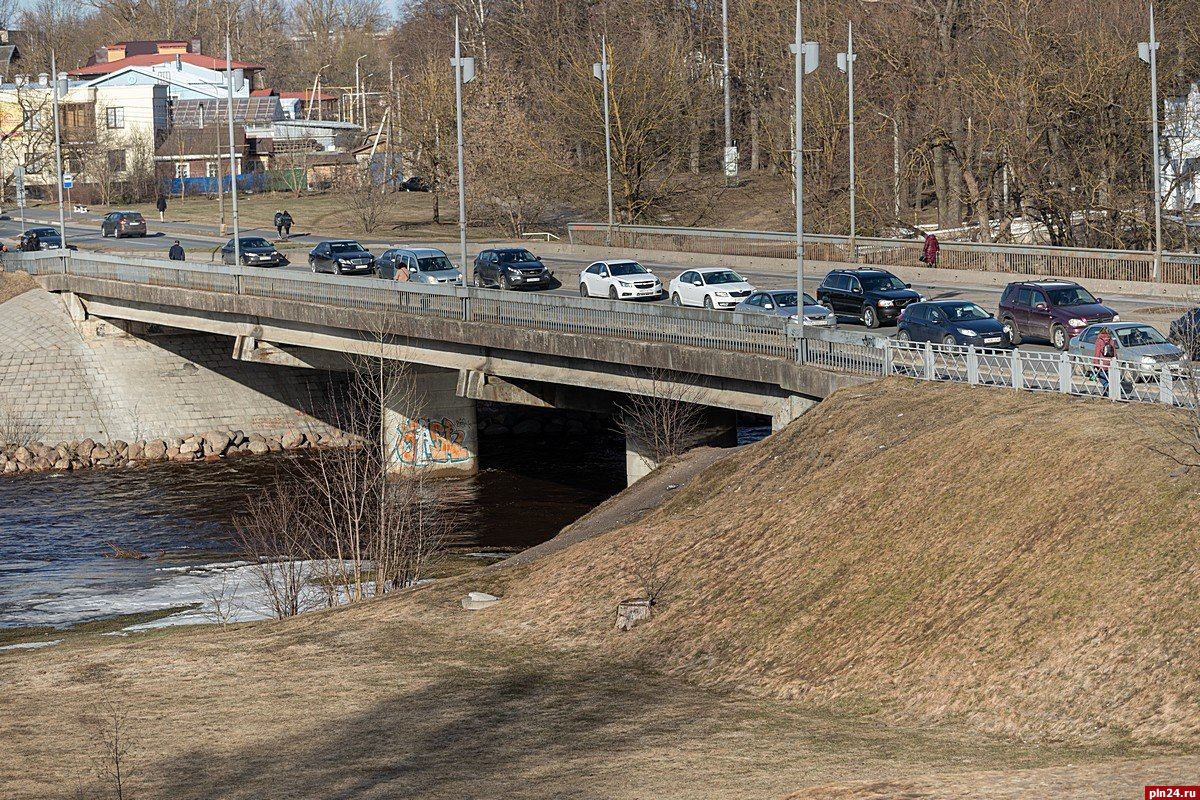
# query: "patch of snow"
30,645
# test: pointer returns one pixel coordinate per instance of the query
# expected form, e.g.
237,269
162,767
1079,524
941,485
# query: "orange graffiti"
426,442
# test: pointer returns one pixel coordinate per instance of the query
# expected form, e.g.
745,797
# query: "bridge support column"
719,430
431,428
788,410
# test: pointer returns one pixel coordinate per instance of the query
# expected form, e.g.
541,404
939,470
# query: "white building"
1180,156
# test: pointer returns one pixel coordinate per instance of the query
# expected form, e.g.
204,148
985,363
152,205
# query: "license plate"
992,340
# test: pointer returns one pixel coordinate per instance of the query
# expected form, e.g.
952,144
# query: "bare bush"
666,420
111,734
17,428
650,569
366,197
223,604
273,534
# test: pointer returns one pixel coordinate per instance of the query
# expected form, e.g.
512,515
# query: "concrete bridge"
466,344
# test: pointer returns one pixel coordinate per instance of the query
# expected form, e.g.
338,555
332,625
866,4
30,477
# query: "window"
211,169
116,160
1037,298
1024,297
181,170
852,283
30,121
115,117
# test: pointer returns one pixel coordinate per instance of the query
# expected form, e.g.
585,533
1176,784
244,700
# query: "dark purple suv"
1054,310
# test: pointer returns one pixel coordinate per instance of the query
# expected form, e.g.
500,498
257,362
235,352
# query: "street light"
237,230
730,157
600,71
464,72
808,58
354,101
846,64
1148,52
62,220
363,99
313,94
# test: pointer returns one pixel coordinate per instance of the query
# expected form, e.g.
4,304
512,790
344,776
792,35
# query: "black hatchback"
871,295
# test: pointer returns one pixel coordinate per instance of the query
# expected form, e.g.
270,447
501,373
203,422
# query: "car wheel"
904,335
1014,334
612,293
475,279
869,317
708,301
675,300
505,283
313,264
949,340
1058,337
583,290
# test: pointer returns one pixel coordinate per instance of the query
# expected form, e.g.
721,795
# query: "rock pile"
16,457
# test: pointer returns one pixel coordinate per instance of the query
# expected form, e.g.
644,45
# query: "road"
201,241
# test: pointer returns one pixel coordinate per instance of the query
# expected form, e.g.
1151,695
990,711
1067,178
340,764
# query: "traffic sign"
20,196
68,180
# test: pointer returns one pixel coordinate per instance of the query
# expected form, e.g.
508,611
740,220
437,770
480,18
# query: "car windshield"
255,242
132,217
724,276
1070,296
515,256
1140,336
881,283
434,264
787,299
43,231
965,312
345,247
627,268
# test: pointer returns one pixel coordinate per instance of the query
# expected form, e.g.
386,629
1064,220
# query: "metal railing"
1009,259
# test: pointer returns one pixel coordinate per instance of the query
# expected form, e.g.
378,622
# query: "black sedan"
344,257
48,238
1185,332
951,322
256,252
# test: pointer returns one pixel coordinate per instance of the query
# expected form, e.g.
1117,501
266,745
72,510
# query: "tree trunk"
754,162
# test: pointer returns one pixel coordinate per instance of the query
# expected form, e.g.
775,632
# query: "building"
1180,157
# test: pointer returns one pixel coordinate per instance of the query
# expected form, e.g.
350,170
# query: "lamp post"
846,64
62,220
600,71
354,100
237,230
730,159
808,57
1148,52
464,72
314,94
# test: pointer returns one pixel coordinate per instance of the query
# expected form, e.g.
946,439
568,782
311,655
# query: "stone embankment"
16,457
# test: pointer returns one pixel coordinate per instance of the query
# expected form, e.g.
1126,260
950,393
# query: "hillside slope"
1024,564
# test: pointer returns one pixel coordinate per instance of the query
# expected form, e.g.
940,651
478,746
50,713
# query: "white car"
711,287
619,279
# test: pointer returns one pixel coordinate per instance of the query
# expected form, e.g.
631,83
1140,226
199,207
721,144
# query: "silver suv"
425,265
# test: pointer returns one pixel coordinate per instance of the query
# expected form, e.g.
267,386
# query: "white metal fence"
836,350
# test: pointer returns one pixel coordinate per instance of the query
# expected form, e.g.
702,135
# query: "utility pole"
846,65
729,164
237,231
464,72
600,71
62,220
807,56
1148,52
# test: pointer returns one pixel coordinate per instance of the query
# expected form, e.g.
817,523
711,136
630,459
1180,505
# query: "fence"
841,351
273,180
1063,262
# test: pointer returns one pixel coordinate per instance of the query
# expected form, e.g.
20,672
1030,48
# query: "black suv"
872,295
511,268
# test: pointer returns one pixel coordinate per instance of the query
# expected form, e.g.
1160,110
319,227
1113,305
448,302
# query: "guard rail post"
1114,380
466,304
1064,373
972,365
888,365
930,372
1166,387
1018,376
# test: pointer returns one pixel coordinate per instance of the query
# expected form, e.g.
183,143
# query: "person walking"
1103,354
929,253
31,243
286,219
161,205
402,273
278,223
176,252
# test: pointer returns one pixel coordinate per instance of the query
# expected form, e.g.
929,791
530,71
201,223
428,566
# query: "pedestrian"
161,205
176,252
286,219
278,223
1103,354
31,243
402,273
929,253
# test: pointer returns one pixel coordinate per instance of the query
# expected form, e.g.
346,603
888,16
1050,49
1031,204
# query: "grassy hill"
1024,564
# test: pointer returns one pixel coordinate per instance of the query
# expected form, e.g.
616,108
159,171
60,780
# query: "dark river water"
55,529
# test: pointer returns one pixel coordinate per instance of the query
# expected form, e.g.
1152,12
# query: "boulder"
216,442
63,465
118,446
258,447
291,440
474,601
154,450
180,455
190,446
256,437
274,446
84,448
98,453
43,451
10,467
135,451
41,464
22,455
238,438
632,612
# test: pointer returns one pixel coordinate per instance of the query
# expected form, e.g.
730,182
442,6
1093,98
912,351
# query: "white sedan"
711,287
619,280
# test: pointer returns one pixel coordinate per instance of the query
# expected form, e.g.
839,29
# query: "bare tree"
664,421
365,195
648,566
17,428
273,534
110,722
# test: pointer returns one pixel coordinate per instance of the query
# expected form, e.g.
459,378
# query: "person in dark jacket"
161,205
176,252
286,219
278,223
30,243
929,253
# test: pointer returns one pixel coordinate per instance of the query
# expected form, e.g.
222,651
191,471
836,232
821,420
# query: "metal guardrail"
840,351
1010,259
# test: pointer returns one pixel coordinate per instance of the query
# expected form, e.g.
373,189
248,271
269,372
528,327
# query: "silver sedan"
1136,342
782,303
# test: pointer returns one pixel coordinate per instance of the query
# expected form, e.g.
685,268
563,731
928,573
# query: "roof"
246,111
154,59
323,97
421,251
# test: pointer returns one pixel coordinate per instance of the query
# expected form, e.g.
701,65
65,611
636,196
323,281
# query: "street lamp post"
600,71
846,64
237,230
354,100
62,220
1148,52
729,160
808,56
464,72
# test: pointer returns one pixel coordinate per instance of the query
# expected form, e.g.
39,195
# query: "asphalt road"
201,241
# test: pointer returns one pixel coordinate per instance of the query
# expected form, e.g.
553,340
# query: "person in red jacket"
929,253
1103,354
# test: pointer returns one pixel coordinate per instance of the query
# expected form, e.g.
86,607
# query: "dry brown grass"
1021,564
14,283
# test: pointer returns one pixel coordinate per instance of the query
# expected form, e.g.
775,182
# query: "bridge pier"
719,430
431,428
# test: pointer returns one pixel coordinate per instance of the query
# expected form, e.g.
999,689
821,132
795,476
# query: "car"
1136,341
425,265
950,322
782,302
619,279
415,184
1185,332
255,251
123,223
711,287
511,268
1054,310
48,238
341,257
874,296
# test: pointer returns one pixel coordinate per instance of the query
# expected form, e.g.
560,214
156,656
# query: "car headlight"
1116,318
721,294
1149,361
1076,322
886,303
626,284
967,332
